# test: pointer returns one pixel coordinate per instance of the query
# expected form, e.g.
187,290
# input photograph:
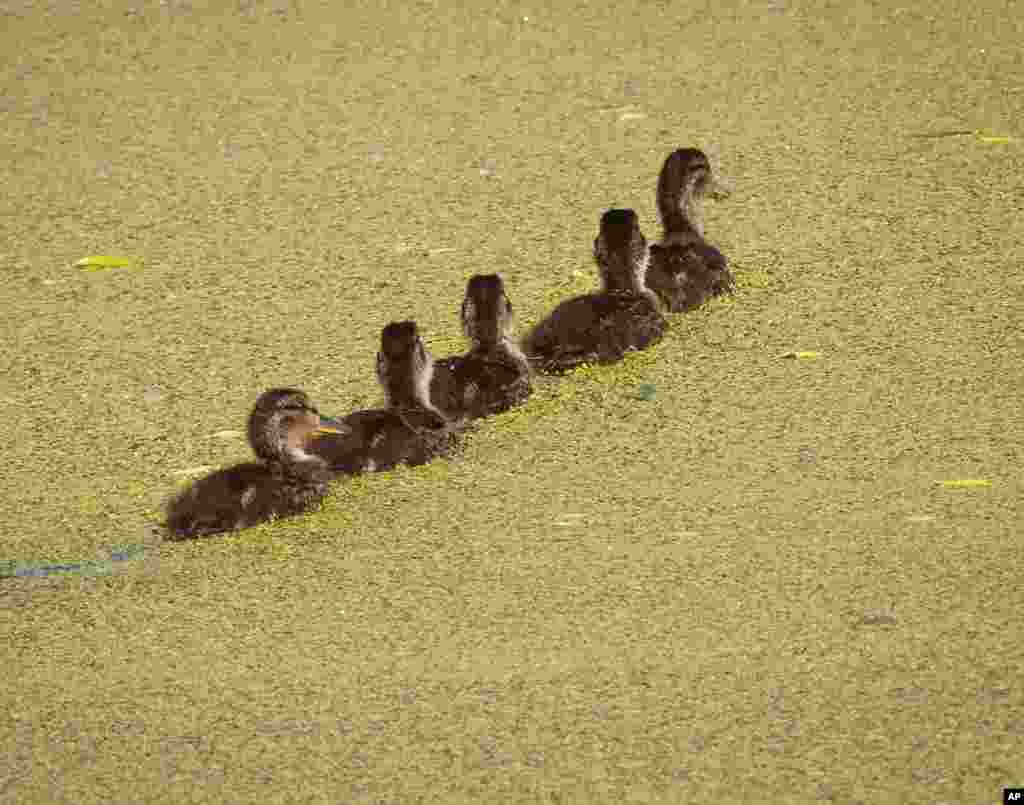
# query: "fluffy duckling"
685,269
602,327
494,375
287,480
409,429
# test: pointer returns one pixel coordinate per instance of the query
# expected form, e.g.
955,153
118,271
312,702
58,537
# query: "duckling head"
486,310
404,367
686,168
685,179
282,424
620,250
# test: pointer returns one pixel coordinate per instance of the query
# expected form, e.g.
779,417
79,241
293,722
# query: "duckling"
287,480
602,327
494,375
685,269
409,429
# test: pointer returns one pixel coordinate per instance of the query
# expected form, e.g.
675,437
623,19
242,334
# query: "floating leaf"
947,133
981,135
801,355
966,483
993,138
570,519
647,391
627,116
807,455
879,617
104,262
228,434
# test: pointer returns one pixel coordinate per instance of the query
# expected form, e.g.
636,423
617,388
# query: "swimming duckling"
494,375
409,429
287,480
602,327
685,269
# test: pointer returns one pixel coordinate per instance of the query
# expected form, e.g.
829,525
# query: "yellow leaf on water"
801,355
981,135
966,483
103,262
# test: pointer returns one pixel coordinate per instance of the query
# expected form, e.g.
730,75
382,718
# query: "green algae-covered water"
712,573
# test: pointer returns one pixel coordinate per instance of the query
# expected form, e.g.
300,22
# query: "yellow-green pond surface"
710,574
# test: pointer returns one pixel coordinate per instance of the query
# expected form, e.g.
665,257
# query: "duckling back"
480,383
494,375
381,439
409,430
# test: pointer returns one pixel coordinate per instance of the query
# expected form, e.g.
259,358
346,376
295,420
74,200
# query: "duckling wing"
475,386
445,388
239,497
564,339
629,322
432,435
594,328
687,274
720,279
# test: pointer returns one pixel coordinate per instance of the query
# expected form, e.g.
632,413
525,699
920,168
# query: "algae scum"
775,557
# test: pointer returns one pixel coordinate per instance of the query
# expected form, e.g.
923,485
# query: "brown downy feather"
685,270
602,327
494,375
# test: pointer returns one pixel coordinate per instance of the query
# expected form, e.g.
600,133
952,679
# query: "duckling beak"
329,425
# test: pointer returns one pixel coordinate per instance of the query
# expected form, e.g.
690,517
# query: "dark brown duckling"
603,327
409,429
286,481
494,375
685,269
